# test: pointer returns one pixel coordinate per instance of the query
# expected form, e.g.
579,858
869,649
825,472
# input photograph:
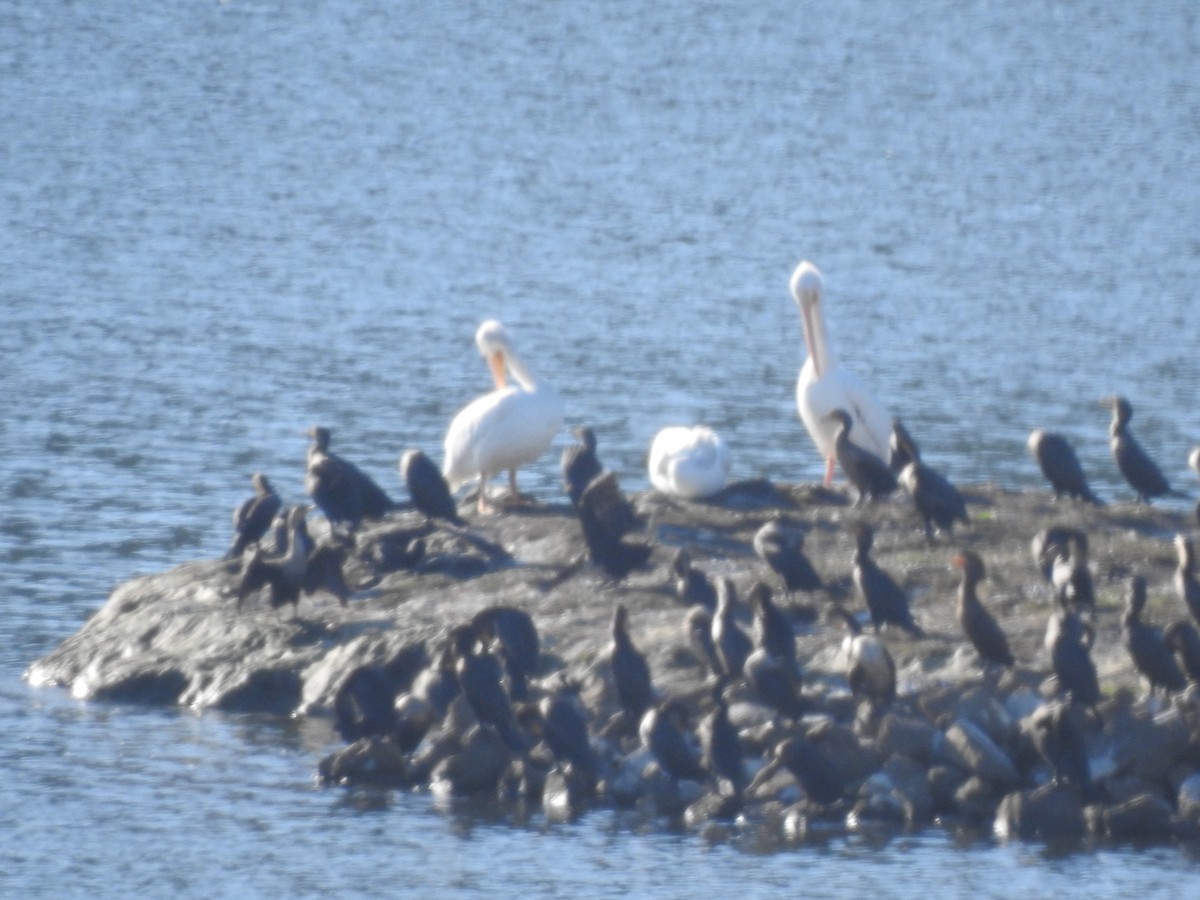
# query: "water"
223,223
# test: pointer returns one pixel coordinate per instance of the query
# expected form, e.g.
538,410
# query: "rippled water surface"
224,222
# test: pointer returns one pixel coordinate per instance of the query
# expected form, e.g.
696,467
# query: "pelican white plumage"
824,386
504,428
688,462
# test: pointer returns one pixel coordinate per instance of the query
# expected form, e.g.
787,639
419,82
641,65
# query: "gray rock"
968,747
1050,813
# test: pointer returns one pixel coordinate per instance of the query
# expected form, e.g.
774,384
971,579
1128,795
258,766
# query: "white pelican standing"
824,386
688,462
505,428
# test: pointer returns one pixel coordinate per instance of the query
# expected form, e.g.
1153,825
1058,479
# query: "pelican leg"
484,508
830,462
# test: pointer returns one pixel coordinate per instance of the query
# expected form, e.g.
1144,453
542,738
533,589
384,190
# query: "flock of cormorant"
519,713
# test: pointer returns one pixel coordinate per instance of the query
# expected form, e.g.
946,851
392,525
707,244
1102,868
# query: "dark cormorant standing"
604,517
720,746
1146,645
885,599
253,517
564,729
1060,465
817,774
697,624
1187,588
631,672
579,464
692,587
772,629
902,449
780,544
1184,641
519,645
868,473
342,491
365,704
777,683
1043,545
979,625
1070,576
664,731
1137,467
305,567
1058,739
427,487
1068,639
937,500
479,677
870,669
731,642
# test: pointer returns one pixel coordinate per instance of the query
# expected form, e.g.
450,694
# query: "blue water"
222,223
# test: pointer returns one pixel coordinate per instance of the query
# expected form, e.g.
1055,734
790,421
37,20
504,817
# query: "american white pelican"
688,462
505,428
824,386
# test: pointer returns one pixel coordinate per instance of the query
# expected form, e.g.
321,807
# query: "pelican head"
495,346
807,286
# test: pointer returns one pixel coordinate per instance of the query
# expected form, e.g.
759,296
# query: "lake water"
222,223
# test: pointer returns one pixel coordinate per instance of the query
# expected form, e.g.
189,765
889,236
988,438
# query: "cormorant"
980,626
780,544
697,625
777,683
885,599
579,464
1187,587
564,729
1060,465
937,500
631,672
342,491
603,516
902,449
1069,640
731,642
1184,641
1070,576
868,473
305,567
692,587
1137,467
664,731
427,487
253,517
820,778
1057,737
1146,645
870,669
721,748
365,704
479,676
519,645
1043,545
772,630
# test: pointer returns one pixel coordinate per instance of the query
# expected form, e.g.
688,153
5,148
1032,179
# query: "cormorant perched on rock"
885,599
604,517
305,567
870,669
664,731
342,491
1183,640
1069,641
776,682
1070,576
868,473
697,625
427,487
772,629
980,626
365,704
733,646
1146,645
780,544
479,677
1137,467
902,449
1043,545
1058,739
631,672
720,745
564,729
579,464
692,587
1187,587
937,500
253,517
1060,465
816,773
519,645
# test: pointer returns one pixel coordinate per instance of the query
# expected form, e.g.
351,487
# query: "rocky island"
961,741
